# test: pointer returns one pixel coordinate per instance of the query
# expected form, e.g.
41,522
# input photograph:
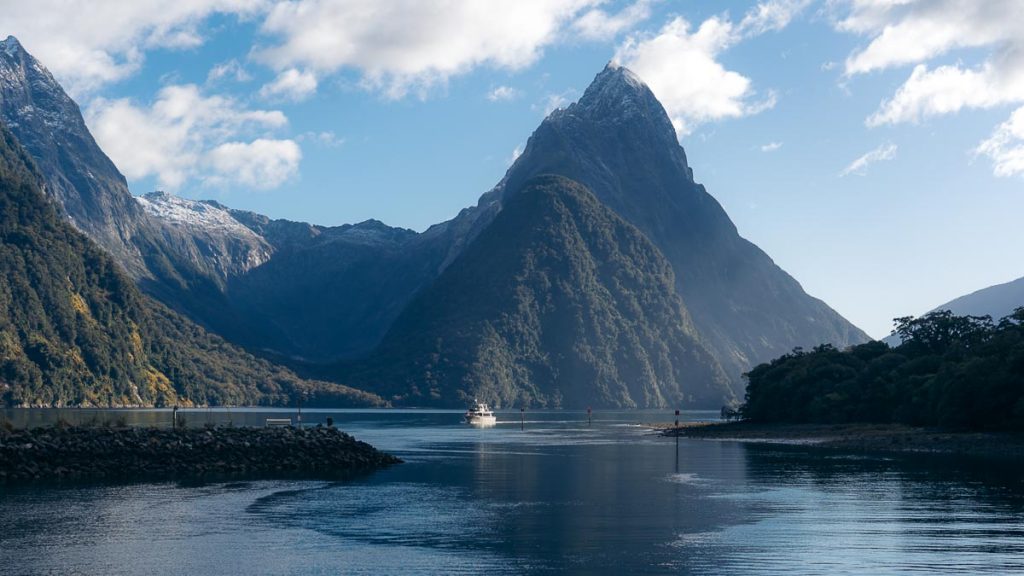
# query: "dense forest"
75,331
950,371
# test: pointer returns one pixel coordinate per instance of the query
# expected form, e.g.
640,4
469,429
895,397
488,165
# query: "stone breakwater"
126,454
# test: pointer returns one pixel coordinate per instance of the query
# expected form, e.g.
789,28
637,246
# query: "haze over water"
557,497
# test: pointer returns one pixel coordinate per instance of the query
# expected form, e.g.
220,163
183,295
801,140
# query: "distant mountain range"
361,302
996,301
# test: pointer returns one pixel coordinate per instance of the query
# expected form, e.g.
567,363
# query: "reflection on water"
555,496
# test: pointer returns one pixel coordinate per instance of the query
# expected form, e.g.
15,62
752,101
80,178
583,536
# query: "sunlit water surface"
553,495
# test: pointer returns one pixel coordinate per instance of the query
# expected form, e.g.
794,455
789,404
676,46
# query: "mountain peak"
613,71
10,45
617,93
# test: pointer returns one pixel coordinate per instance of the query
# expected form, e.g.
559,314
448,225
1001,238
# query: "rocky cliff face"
86,184
208,233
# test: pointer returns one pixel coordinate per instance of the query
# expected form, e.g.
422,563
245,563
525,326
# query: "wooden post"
174,418
589,417
677,418
522,418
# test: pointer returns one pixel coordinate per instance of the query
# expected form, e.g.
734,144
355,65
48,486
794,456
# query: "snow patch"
194,214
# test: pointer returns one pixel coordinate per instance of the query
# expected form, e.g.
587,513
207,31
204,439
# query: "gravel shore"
859,437
130,454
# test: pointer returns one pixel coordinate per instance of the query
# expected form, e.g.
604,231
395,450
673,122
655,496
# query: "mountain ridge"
997,301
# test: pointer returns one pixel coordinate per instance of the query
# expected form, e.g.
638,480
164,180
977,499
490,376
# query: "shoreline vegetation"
863,437
127,454
950,372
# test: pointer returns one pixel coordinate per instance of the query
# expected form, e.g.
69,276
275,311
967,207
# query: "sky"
873,148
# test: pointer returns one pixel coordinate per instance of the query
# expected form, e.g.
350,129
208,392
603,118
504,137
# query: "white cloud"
910,31
771,16
771,146
291,84
553,102
516,153
1006,146
914,32
232,69
948,89
410,45
682,69
173,138
89,44
503,94
262,163
597,24
860,165
329,139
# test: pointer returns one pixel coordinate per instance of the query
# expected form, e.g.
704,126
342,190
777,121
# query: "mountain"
996,301
167,260
78,174
618,142
558,303
74,330
213,235
311,302
312,292
322,294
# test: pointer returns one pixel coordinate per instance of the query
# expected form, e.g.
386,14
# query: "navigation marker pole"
522,418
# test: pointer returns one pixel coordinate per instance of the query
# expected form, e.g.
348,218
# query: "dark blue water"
557,497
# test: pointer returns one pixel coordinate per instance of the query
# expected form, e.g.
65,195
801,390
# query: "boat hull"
482,420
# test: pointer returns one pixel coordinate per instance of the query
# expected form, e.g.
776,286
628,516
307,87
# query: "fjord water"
557,497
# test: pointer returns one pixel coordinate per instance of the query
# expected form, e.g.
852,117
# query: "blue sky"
873,148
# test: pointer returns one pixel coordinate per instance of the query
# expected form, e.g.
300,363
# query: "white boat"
481,415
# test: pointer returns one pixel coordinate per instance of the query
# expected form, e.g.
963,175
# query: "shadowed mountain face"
557,303
74,330
619,143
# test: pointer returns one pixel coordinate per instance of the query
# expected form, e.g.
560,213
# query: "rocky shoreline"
132,454
859,437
